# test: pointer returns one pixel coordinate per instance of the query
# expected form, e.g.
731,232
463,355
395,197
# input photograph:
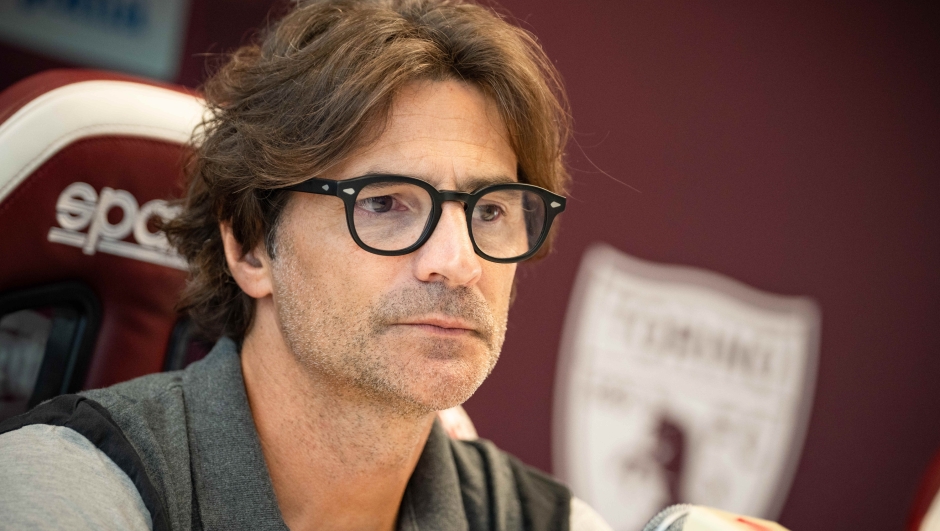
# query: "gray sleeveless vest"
188,442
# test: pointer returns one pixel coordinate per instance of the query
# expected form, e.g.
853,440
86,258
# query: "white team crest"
677,384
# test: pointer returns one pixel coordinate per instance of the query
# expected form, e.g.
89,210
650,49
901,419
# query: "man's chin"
445,383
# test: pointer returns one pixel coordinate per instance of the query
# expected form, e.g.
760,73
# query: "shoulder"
78,422
152,392
151,413
54,475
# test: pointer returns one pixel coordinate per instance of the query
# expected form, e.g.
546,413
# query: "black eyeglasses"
392,215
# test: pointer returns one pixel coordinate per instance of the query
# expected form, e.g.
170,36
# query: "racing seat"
87,285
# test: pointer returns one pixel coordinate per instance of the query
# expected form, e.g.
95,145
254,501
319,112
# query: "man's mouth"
441,325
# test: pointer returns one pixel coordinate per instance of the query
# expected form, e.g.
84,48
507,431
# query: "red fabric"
18,95
137,297
928,490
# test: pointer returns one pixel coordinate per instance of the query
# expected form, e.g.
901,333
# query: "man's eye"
488,212
378,205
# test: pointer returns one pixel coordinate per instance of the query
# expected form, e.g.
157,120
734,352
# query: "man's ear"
252,269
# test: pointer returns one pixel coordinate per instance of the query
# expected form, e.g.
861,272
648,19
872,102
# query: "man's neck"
337,460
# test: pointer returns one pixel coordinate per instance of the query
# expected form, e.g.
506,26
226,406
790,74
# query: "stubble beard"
359,351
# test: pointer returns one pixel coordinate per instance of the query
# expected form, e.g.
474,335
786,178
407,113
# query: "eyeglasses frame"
348,190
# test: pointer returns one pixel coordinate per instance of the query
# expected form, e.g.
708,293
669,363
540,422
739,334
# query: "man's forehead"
446,133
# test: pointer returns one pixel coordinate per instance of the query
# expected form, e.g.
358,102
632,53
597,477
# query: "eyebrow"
475,183
466,185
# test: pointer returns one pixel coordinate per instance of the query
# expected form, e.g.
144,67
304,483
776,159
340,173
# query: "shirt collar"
230,476
433,497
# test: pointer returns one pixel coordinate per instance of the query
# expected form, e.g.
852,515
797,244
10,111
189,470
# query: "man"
372,174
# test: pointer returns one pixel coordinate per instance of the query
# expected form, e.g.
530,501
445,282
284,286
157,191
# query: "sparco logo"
80,207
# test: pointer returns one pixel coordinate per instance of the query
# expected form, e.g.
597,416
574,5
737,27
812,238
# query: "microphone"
685,517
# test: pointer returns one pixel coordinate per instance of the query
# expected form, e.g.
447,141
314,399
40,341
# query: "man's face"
419,332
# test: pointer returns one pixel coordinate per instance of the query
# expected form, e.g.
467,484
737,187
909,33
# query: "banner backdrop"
680,385
137,36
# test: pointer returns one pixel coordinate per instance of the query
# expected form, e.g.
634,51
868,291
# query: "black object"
186,345
348,190
75,321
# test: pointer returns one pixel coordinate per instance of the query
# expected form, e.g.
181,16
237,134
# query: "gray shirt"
52,477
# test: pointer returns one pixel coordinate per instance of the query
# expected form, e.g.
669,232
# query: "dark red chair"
87,286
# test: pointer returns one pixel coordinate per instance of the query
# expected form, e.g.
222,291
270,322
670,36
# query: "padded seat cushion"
89,160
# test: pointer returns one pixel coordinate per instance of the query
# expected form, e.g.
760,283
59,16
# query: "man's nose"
448,255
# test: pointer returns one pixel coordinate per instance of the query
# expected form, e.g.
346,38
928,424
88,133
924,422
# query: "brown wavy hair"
312,89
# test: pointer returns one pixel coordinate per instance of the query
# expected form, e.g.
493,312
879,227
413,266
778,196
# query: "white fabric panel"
91,108
931,520
585,518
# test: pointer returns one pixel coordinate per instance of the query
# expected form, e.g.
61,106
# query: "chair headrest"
89,159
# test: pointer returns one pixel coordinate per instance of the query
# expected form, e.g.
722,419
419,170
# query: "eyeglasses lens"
391,216
508,223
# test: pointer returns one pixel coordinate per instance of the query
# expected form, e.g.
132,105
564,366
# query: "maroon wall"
793,146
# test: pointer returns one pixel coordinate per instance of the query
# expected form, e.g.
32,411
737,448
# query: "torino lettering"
727,349
80,207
